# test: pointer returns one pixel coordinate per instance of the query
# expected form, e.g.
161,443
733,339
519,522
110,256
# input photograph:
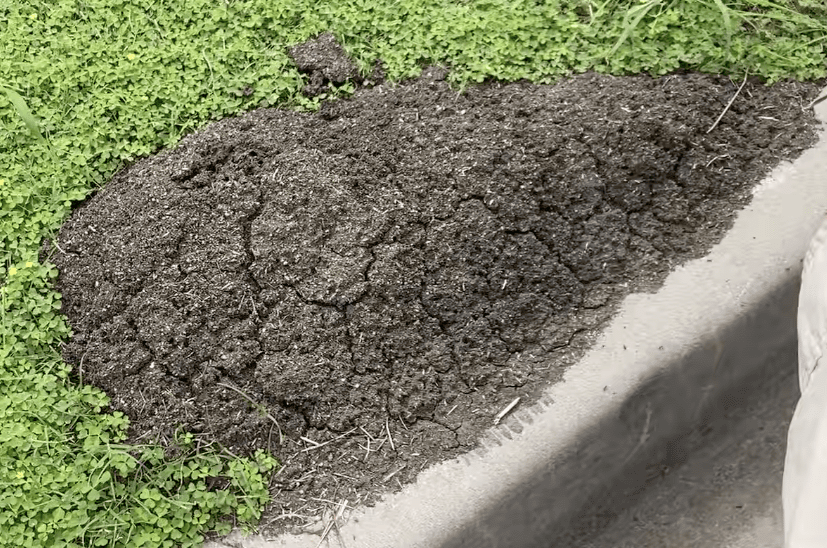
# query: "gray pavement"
728,492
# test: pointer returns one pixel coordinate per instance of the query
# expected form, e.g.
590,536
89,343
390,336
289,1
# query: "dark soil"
325,62
386,275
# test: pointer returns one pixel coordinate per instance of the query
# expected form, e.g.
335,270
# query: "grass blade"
23,111
727,22
638,13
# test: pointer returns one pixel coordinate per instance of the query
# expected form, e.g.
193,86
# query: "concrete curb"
665,367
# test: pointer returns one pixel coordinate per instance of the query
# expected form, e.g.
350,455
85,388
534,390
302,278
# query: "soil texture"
376,281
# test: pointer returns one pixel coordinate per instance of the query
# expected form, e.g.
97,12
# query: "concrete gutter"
667,365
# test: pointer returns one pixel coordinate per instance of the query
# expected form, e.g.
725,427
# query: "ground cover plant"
89,87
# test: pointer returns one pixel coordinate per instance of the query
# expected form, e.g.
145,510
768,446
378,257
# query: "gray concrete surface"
666,368
728,492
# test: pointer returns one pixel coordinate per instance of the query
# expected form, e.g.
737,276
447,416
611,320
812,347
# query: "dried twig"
505,411
390,438
326,501
308,440
80,367
366,433
257,405
814,102
392,474
269,438
332,523
328,526
729,104
325,442
339,514
709,163
291,515
341,511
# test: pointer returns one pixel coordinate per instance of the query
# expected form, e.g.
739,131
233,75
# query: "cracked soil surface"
384,276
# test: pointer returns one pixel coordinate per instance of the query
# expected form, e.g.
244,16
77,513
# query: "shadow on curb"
667,418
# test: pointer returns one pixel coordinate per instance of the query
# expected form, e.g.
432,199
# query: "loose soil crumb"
325,62
384,276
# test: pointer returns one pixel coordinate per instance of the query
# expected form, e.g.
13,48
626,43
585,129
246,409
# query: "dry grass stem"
255,404
501,415
333,523
325,442
813,103
388,429
308,440
726,108
392,474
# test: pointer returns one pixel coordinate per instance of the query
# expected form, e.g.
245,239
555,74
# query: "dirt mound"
382,277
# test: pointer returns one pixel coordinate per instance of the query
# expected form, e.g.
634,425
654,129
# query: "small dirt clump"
325,62
382,277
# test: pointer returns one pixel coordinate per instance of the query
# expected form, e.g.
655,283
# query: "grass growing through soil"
87,86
